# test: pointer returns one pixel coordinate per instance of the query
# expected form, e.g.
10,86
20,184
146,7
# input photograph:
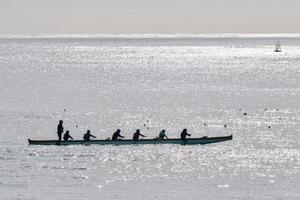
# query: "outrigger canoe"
189,141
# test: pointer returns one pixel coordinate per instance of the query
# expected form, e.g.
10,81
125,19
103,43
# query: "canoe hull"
190,141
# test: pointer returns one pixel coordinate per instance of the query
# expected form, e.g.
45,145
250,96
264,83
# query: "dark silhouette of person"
137,134
60,129
183,134
162,134
117,134
67,136
87,136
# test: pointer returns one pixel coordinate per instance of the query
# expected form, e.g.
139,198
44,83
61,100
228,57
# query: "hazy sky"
149,16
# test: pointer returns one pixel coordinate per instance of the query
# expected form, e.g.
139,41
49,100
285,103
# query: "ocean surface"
196,82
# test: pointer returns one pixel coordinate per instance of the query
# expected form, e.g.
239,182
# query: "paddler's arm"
142,135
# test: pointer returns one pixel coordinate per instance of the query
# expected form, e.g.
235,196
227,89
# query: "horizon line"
150,35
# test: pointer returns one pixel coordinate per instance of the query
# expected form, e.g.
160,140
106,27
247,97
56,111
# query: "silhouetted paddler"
116,135
183,134
137,134
162,134
60,129
67,136
88,135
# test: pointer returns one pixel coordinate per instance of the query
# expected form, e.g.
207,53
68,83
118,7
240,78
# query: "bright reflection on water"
195,83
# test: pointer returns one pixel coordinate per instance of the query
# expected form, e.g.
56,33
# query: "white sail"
277,47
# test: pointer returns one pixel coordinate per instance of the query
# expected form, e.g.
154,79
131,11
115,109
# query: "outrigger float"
189,141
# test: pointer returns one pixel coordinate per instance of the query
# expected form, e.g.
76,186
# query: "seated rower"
162,135
116,135
183,134
137,134
67,136
88,135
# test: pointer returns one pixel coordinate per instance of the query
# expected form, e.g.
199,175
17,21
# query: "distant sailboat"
277,47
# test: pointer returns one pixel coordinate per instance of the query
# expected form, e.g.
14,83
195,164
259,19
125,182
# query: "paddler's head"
60,121
88,131
138,130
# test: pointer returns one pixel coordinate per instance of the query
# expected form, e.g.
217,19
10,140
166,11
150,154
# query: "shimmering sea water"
104,83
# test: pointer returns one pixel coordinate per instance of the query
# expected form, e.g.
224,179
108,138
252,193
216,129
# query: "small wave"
79,168
223,186
62,167
80,177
